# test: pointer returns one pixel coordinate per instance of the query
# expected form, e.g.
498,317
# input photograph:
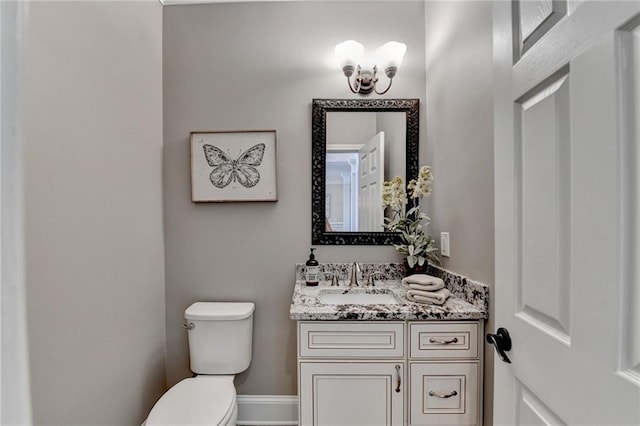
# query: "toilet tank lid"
219,311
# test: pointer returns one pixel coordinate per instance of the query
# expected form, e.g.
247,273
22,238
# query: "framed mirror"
356,146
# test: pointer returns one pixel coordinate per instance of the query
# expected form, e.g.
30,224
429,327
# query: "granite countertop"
469,298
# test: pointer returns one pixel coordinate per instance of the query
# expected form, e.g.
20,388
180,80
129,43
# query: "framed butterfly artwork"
233,166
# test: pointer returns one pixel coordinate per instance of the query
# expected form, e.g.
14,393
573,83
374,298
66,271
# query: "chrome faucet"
354,275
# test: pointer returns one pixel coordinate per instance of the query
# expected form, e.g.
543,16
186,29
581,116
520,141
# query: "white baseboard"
267,410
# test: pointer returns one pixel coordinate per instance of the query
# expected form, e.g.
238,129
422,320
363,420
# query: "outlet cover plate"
444,244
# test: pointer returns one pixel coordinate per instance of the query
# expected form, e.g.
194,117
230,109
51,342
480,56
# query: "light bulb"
349,53
390,55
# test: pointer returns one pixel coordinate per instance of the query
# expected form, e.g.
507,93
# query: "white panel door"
371,178
567,78
352,394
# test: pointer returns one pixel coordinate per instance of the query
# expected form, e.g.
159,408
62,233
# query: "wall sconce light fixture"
388,57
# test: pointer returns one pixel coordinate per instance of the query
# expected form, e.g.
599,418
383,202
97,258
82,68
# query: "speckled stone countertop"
469,299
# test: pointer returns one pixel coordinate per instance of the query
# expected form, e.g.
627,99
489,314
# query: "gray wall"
93,159
460,141
258,66
94,238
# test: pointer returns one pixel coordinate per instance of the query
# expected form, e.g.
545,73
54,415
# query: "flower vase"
417,269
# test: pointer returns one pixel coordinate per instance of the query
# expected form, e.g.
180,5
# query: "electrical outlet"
444,244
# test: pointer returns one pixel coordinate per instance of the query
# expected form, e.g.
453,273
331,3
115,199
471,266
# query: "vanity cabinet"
390,373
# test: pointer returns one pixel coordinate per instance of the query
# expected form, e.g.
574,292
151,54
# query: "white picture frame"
233,166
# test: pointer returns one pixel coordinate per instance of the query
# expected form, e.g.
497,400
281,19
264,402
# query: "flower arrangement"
416,243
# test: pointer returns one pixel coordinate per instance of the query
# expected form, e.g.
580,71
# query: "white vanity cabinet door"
352,393
444,393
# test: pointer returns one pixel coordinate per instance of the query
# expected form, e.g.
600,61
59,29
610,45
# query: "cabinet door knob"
502,342
399,378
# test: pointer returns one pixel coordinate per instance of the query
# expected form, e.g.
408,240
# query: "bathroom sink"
355,297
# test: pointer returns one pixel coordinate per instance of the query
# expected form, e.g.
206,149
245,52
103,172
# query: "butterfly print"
243,169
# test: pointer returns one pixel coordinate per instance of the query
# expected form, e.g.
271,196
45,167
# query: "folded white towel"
423,282
433,287
429,297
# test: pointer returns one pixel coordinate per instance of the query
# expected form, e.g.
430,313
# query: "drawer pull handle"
443,342
399,378
453,393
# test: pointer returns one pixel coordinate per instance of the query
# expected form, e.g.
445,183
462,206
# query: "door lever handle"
502,342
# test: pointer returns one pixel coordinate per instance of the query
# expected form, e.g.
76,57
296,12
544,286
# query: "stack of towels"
422,288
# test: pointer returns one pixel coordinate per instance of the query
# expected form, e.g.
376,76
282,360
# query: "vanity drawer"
345,339
444,393
443,339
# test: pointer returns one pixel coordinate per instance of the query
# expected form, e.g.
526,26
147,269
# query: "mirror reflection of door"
355,174
371,173
363,150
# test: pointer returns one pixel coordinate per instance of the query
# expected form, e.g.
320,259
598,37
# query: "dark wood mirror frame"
320,108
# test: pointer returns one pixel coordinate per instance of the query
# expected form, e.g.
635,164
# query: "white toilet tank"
220,336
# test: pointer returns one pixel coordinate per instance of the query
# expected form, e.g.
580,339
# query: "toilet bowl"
201,400
220,337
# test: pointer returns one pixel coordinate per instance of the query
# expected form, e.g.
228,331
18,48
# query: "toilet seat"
202,400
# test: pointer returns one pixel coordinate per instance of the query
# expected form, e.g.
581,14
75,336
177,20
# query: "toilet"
219,347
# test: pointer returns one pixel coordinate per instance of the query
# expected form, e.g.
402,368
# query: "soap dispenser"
313,270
